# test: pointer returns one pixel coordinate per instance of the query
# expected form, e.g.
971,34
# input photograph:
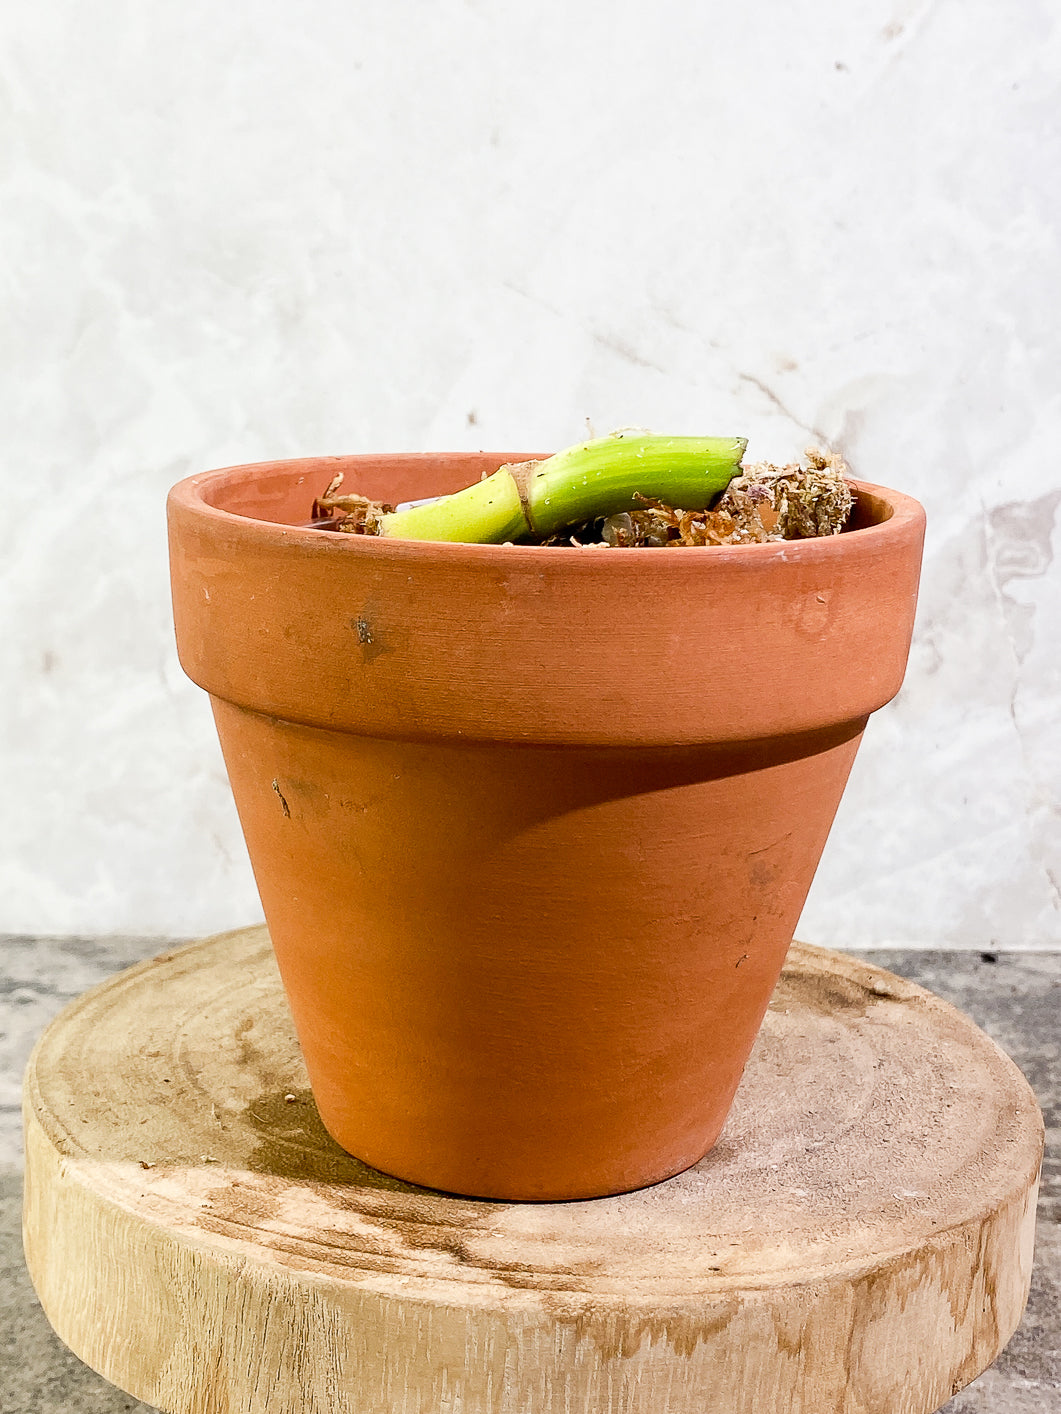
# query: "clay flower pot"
532,827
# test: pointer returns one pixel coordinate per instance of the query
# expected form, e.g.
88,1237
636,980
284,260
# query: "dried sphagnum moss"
807,501
358,515
764,503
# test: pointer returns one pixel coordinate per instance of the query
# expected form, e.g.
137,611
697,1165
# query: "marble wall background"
252,230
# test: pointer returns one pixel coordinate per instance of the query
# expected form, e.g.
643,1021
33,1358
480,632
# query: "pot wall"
532,828
528,973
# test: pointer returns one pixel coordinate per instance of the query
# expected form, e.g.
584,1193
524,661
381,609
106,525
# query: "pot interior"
283,492
869,509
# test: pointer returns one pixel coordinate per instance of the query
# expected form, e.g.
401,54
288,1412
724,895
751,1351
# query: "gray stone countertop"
1015,997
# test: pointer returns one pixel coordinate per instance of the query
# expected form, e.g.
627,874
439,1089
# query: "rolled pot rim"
194,494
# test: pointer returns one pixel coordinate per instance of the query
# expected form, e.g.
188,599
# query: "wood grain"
859,1241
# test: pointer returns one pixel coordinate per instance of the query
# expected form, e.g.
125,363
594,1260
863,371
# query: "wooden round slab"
859,1241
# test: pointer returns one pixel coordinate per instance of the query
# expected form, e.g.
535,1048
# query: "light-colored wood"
859,1242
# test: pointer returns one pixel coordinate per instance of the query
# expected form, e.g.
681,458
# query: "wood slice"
858,1242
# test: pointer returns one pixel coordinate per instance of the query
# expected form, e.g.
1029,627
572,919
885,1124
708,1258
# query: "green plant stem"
598,478
487,513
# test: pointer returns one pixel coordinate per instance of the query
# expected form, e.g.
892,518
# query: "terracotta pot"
532,827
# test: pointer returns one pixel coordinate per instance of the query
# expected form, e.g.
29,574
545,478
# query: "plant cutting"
533,500
622,490
533,823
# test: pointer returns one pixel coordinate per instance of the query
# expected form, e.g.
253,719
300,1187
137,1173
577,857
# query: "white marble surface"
240,231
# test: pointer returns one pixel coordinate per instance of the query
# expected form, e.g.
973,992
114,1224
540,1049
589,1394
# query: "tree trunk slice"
858,1242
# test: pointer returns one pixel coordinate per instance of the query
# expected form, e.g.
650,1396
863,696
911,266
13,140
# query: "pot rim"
428,640
193,494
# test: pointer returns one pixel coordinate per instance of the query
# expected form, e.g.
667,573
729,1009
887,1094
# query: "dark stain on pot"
283,803
764,873
368,639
